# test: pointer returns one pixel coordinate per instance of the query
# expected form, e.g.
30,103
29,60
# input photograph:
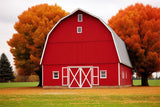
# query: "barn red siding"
80,53
125,75
112,75
93,45
111,80
48,75
92,30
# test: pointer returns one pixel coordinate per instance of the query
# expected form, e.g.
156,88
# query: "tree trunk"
144,80
39,73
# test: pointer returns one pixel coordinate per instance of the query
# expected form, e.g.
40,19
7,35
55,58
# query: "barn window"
122,74
80,18
55,74
79,29
103,73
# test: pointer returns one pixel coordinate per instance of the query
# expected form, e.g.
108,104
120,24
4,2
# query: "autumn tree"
6,73
32,28
139,27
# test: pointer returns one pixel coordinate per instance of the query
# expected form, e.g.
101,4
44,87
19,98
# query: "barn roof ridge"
119,43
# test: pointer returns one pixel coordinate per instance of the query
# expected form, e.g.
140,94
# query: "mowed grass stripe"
18,84
34,84
79,101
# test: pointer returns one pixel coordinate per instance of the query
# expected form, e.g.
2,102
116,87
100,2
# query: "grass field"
79,101
18,84
150,82
83,98
34,84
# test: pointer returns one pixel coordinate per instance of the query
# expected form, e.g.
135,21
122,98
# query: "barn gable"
118,43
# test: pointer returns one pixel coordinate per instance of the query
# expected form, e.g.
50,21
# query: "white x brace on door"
80,76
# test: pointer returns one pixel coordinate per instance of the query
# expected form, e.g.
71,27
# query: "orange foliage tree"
32,29
139,27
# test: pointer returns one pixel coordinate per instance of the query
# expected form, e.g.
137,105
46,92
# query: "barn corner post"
144,79
39,73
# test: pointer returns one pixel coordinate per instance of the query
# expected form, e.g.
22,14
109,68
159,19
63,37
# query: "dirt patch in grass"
99,92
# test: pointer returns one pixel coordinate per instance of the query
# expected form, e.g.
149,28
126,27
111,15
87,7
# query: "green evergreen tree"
6,72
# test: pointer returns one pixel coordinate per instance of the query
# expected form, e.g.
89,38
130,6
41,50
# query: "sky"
11,9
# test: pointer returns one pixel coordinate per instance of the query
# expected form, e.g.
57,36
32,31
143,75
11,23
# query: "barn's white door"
80,76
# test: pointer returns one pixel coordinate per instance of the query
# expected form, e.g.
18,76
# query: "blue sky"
105,9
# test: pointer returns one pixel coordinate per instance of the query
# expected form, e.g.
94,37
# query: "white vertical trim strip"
69,77
80,77
91,75
62,75
119,82
98,75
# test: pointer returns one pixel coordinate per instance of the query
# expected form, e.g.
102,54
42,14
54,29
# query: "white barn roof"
119,44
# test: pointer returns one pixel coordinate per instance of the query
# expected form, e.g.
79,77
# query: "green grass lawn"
34,84
151,82
80,100
18,84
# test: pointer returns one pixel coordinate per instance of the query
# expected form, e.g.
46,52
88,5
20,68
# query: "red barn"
82,51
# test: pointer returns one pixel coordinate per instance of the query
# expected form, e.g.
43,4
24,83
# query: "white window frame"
54,74
80,15
101,74
78,29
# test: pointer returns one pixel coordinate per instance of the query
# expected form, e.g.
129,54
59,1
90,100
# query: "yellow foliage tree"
32,28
